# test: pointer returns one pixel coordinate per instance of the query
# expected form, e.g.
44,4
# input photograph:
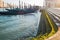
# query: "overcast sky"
32,2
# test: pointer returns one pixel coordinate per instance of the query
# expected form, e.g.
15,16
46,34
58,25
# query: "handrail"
54,15
54,18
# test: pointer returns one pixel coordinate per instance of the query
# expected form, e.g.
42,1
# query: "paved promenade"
56,36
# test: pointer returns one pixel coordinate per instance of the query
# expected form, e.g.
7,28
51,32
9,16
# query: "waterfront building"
52,3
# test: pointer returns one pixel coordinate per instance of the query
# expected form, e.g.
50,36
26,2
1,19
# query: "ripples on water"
18,26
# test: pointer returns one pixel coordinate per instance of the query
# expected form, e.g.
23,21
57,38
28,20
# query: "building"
52,3
6,5
2,4
58,3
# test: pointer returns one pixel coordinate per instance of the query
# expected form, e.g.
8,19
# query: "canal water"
19,26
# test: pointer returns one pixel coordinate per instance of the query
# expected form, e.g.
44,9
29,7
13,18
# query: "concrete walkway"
55,36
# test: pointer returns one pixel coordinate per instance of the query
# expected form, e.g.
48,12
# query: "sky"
32,2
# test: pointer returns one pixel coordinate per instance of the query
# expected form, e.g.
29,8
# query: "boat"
18,11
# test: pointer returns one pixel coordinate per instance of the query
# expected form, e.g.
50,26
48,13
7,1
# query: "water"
19,26
3,9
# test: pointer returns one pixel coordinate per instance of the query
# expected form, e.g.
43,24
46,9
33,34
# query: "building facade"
6,5
58,3
1,3
52,3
